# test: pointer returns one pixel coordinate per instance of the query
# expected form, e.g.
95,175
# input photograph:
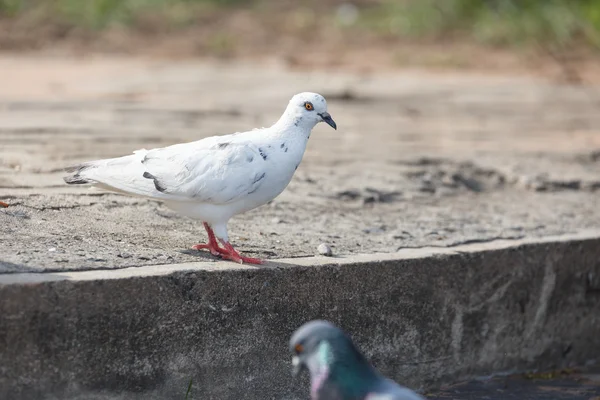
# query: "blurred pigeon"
215,178
338,371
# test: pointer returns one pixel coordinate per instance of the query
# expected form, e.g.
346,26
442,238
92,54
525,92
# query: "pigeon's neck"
347,374
291,122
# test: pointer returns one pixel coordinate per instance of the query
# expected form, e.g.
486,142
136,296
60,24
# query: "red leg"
213,245
231,254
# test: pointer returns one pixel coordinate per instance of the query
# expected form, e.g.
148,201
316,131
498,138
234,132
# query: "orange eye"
308,106
299,349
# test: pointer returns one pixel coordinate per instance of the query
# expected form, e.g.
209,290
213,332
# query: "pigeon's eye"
299,348
308,105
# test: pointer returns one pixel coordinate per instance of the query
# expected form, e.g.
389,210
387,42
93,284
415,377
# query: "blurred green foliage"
501,22
99,14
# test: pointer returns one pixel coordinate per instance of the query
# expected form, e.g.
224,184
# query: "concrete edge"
316,261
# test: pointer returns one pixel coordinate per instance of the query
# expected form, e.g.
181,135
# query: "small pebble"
449,180
324,250
52,249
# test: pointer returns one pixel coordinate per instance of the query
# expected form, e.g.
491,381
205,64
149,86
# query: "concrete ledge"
423,316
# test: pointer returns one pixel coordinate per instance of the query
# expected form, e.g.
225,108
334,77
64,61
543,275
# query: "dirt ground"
419,158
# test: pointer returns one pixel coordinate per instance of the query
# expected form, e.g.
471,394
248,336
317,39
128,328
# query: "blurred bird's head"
319,345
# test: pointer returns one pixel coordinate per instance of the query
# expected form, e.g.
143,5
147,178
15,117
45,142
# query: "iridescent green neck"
346,368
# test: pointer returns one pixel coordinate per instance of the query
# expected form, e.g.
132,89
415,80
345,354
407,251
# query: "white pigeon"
215,178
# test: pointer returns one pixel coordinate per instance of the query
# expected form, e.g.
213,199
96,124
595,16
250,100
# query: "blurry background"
459,121
558,37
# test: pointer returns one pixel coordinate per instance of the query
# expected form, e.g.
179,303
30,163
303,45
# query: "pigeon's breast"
278,173
279,158
220,213
273,183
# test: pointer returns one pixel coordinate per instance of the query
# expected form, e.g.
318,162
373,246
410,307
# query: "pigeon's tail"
123,175
76,177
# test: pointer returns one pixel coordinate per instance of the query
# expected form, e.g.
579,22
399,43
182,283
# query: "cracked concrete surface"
418,160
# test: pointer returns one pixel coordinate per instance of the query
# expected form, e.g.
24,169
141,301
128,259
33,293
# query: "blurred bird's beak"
296,366
327,118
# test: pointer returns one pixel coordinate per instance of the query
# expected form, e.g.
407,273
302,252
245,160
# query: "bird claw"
214,250
227,254
233,255
241,260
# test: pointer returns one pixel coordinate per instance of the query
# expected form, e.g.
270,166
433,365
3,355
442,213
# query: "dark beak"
327,118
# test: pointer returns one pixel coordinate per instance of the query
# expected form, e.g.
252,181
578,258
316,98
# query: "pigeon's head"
319,345
308,109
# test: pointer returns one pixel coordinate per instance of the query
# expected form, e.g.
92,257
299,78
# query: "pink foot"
231,254
213,245
214,250
228,253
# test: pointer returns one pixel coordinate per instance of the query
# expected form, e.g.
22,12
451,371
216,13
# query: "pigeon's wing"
216,171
